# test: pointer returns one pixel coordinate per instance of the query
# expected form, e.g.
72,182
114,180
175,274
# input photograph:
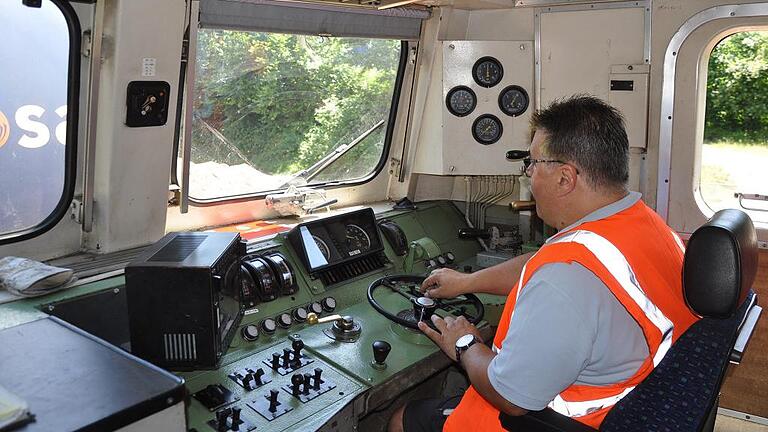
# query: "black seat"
682,391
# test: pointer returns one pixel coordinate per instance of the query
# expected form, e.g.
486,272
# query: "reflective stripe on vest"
615,262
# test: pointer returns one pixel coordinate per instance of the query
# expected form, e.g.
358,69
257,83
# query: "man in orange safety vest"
590,314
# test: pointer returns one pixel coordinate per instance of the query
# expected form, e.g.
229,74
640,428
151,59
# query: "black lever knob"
381,350
273,403
473,233
221,419
517,154
296,381
275,360
287,357
257,376
247,379
317,380
297,346
236,418
307,378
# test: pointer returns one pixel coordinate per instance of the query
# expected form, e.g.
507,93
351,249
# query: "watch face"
464,341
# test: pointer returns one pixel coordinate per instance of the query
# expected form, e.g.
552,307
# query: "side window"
734,155
273,110
39,89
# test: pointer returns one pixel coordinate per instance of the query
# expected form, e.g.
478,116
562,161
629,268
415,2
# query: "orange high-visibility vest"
638,257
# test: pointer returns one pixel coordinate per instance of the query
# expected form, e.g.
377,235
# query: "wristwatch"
463,343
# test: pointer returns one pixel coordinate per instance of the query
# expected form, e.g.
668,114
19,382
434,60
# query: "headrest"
720,264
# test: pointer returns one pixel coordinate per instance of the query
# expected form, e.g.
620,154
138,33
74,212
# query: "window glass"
734,162
275,109
33,110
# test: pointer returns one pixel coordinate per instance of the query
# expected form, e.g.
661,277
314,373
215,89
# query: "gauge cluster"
330,242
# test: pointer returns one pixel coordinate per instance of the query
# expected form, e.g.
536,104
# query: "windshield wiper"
316,168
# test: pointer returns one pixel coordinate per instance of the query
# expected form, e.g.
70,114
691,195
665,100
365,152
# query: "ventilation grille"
179,248
351,269
180,346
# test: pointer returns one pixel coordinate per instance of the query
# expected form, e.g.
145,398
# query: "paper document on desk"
28,278
13,409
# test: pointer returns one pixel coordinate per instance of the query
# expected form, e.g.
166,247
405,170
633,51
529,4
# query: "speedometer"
323,246
357,240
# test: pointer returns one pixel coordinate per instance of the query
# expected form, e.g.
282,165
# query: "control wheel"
420,308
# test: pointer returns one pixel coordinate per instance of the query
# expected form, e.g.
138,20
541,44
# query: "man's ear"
568,179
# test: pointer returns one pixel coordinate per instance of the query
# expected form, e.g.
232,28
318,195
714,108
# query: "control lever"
296,380
312,318
221,419
517,154
381,350
317,381
273,403
473,233
307,379
275,360
236,418
297,346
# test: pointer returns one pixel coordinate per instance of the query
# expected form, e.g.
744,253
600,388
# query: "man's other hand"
445,283
451,329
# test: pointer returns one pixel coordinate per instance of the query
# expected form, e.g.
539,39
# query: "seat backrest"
720,264
681,392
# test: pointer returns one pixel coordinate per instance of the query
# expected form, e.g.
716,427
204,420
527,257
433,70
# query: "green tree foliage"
282,102
737,89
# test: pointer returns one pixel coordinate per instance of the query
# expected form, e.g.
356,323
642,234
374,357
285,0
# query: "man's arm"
475,360
498,280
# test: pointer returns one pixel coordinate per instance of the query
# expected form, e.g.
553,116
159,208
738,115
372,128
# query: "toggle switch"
257,376
317,381
307,379
287,358
275,360
273,403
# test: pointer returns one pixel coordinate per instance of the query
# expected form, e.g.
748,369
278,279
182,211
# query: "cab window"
273,110
734,154
39,96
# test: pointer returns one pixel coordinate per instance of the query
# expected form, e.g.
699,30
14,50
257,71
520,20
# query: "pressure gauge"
487,129
487,72
513,100
461,101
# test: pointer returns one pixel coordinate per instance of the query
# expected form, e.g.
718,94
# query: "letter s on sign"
24,121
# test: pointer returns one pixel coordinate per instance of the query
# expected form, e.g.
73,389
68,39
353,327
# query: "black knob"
442,261
235,417
275,360
297,346
450,257
307,378
284,320
250,332
296,381
300,314
381,350
316,307
221,419
316,378
257,376
268,326
247,379
329,304
273,403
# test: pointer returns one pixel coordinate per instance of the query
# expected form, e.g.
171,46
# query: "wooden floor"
730,424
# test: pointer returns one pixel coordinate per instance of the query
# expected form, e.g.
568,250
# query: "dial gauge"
513,100
461,101
323,247
487,72
487,129
357,239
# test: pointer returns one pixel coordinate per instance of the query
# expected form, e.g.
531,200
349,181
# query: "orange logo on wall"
5,129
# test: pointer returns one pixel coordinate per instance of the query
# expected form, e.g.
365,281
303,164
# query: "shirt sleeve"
549,341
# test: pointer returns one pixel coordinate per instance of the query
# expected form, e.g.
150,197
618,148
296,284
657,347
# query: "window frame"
682,112
260,195
70,153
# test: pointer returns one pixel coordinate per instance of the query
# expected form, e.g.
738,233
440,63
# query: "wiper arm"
316,168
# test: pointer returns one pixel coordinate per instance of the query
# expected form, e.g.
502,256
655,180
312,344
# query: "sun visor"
313,19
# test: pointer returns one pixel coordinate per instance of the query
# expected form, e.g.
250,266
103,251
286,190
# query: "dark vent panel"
179,248
351,269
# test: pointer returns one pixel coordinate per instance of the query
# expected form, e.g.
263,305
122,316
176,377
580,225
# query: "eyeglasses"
529,163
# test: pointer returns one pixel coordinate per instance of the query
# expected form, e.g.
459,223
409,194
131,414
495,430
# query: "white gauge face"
323,247
357,240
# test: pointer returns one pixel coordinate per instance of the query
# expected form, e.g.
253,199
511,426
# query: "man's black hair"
589,133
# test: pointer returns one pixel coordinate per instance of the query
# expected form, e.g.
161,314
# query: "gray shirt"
567,328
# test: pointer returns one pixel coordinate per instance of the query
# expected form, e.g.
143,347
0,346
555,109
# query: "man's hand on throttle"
445,283
450,329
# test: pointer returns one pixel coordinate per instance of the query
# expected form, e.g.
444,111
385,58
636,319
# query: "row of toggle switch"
285,320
